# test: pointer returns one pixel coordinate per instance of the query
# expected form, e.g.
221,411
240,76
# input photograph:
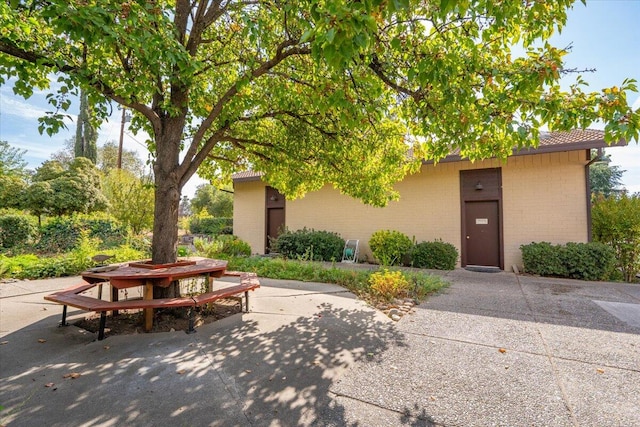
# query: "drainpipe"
588,188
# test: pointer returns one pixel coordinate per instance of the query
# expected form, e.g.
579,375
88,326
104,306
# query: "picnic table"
150,276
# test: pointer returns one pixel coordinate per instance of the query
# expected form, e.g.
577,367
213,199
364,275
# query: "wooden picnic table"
149,275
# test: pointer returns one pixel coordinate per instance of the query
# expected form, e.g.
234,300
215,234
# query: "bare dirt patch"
131,321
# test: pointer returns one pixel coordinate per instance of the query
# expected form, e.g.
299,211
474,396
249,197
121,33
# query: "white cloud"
15,107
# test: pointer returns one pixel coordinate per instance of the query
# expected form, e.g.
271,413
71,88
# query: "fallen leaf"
502,350
106,347
316,362
600,371
248,371
432,398
4,342
49,384
72,375
42,340
181,371
44,308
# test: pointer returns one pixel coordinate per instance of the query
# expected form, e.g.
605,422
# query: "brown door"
275,207
482,229
275,224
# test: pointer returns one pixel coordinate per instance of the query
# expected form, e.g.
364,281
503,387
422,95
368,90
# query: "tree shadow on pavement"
244,370
284,375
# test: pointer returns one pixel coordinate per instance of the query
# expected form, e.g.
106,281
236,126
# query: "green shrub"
211,226
234,247
436,255
39,267
584,261
224,246
207,247
390,247
616,223
309,244
543,259
15,230
588,261
62,234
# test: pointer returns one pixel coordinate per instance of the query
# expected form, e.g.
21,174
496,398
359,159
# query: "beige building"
486,209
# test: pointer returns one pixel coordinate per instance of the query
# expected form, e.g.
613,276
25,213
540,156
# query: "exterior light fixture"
479,186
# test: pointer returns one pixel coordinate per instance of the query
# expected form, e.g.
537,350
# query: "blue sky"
605,35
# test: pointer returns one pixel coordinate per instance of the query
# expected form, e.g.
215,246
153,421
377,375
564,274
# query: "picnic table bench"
72,297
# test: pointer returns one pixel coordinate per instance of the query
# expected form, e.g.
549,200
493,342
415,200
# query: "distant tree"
130,199
11,160
604,178
108,159
59,191
12,175
49,170
65,155
185,207
86,135
218,203
12,188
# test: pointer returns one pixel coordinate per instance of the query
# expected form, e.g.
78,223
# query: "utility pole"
124,112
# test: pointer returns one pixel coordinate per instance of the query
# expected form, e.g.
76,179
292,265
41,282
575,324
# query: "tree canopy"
308,92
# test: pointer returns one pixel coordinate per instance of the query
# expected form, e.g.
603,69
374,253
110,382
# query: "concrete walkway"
493,349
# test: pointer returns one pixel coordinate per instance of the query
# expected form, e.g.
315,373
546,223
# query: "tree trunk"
165,218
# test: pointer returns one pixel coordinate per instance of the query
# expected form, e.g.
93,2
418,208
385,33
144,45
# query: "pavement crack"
428,419
550,358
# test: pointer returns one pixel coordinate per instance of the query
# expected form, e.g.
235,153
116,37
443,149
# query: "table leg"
114,298
148,312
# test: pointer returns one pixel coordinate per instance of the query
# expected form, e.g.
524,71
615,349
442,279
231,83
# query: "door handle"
467,237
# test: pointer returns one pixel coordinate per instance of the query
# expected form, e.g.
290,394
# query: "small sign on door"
482,221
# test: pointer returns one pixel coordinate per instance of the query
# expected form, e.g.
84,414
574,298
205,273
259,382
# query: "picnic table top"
134,274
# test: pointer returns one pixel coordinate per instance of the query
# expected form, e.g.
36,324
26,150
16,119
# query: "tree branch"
97,84
284,50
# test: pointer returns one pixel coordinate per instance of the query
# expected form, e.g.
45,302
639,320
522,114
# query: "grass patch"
357,281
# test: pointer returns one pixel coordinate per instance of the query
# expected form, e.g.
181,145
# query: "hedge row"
389,247
59,235
584,261
211,226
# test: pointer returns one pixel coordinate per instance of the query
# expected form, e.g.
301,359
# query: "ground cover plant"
415,284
